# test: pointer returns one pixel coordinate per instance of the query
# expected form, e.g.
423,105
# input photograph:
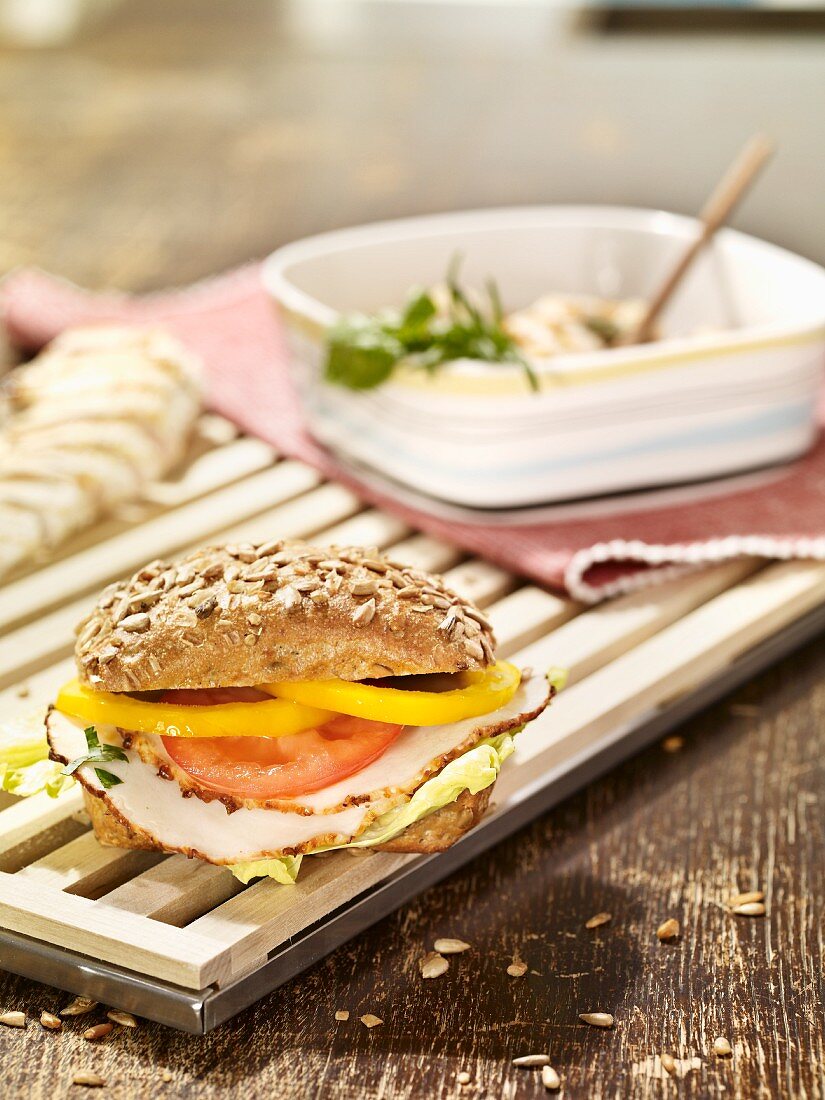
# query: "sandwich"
248,705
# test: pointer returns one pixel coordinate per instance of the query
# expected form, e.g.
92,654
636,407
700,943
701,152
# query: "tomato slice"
276,767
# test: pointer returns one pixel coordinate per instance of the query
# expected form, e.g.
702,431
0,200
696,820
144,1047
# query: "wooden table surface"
178,138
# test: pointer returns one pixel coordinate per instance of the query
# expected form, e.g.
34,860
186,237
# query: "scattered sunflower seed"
166,1075
596,1019
50,1021
721,1047
368,1020
517,969
673,744
98,1031
743,899
433,965
79,1006
90,1080
750,909
668,931
450,947
598,920
550,1079
13,1019
342,1014
668,1063
125,1019
463,1078
529,1060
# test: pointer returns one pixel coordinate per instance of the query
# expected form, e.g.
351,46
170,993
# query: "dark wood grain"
178,138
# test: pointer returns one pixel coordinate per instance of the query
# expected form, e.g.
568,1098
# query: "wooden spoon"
726,195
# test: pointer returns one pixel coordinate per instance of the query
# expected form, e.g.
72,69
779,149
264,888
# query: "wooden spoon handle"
727,193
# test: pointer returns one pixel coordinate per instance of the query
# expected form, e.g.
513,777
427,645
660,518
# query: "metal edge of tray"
198,1011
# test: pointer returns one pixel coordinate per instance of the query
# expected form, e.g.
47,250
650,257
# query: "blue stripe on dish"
767,423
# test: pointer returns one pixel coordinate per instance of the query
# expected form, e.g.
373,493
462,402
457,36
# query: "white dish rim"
316,315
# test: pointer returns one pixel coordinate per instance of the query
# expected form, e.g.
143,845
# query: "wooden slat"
610,629
370,528
527,614
33,826
212,470
120,555
480,581
665,666
177,955
86,866
424,552
266,915
176,890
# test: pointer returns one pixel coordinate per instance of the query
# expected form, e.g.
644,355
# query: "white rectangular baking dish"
733,385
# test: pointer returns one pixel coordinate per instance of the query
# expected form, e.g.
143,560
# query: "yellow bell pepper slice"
269,718
480,693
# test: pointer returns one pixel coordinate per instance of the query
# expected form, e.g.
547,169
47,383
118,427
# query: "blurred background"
154,141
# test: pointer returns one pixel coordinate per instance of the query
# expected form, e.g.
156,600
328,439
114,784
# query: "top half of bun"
230,616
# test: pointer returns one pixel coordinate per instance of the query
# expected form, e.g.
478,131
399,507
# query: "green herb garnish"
98,754
603,327
363,350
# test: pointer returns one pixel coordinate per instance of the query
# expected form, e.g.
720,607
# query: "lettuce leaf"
25,768
473,771
284,869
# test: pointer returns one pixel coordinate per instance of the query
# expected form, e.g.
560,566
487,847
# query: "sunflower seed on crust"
13,1019
364,614
368,1020
364,588
342,1015
721,1047
135,624
50,1021
290,597
517,968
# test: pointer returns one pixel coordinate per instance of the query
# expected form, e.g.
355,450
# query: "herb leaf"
97,754
107,779
363,350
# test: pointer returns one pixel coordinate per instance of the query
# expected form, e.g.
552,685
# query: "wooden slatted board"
164,922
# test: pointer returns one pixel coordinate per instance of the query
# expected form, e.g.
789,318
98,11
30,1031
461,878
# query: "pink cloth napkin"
592,552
